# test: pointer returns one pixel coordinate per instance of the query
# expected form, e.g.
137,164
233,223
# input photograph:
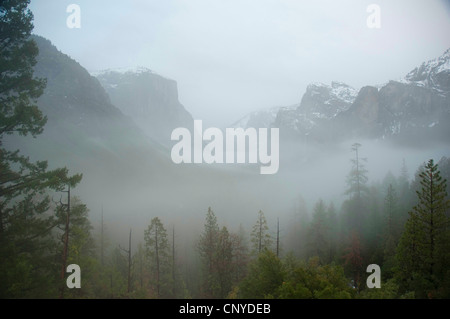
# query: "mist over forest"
362,172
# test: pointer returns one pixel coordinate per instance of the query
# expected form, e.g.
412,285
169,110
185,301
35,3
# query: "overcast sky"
231,57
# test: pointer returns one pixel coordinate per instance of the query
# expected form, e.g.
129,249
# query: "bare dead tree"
128,252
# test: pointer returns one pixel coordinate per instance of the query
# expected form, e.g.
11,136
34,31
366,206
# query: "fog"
236,192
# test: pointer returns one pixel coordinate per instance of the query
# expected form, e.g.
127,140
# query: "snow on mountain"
326,101
432,74
320,102
261,118
122,70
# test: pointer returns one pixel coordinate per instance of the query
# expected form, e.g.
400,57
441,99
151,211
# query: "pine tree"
207,247
18,88
25,222
421,248
357,179
158,252
355,207
224,262
260,236
81,250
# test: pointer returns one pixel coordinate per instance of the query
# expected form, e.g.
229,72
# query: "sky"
232,57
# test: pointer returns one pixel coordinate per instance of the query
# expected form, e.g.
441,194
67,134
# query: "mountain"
151,100
319,104
261,118
85,131
413,110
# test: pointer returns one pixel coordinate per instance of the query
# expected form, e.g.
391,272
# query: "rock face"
413,110
149,99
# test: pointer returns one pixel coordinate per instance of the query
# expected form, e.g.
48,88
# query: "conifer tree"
224,261
355,207
260,236
423,247
25,224
158,252
357,179
207,247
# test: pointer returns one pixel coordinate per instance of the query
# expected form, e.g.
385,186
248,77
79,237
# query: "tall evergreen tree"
207,247
25,217
357,179
224,262
81,250
260,236
158,252
356,208
423,249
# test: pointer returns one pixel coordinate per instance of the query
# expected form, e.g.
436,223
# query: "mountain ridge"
416,105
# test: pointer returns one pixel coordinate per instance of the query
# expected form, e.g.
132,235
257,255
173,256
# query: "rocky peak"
433,74
151,100
325,101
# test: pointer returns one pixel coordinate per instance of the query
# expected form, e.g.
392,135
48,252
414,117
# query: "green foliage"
18,88
158,254
81,250
423,248
313,281
207,247
26,219
269,277
388,290
265,276
260,236
224,262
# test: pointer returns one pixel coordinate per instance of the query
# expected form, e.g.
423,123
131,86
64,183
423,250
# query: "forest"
400,224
